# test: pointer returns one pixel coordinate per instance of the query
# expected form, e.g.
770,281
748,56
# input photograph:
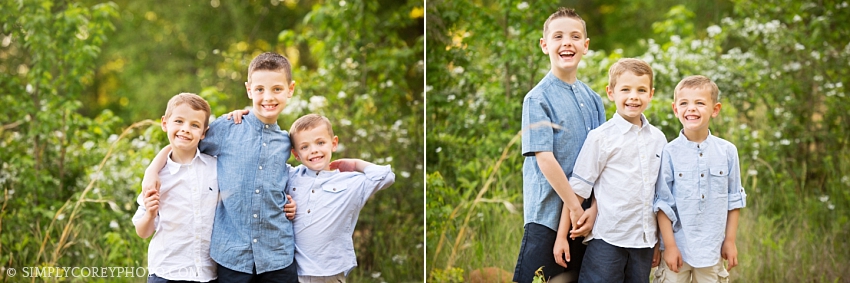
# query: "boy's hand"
673,258
150,183
344,165
575,216
289,208
729,252
237,115
152,202
561,251
656,255
585,223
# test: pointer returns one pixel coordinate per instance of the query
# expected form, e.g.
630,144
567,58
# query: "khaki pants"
339,278
687,273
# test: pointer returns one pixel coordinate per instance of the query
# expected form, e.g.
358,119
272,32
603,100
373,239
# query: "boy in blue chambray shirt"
699,192
619,162
556,116
330,199
252,240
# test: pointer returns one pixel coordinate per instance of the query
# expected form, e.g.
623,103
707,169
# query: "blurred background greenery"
782,68
84,83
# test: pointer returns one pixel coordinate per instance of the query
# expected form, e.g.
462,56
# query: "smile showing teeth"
269,106
566,53
690,117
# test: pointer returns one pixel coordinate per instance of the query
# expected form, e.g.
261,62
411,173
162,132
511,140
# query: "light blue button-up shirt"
697,186
329,204
250,226
556,117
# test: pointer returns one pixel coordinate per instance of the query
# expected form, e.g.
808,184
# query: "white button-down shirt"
619,162
188,195
328,204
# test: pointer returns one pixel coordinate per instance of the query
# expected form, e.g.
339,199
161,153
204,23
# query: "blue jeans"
288,274
606,263
536,251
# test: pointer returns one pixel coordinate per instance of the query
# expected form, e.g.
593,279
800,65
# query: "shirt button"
255,215
702,175
308,211
267,126
293,189
703,196
582,104
261,167
721,172
680,174
255,240
264,144
334,189
700,155
257,191
314,191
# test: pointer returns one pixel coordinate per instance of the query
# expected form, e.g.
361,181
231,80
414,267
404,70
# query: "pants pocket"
722,273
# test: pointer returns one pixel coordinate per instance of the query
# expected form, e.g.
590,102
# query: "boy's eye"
321,143
195,126
278,89
259,89
178,121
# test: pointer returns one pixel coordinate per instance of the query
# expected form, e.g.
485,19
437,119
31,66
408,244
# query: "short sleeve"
537,126
211,144
591,160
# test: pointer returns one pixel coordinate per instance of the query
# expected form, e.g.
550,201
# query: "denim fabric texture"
606,263
556,117
250,227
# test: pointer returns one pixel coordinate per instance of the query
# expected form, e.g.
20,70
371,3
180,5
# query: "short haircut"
271,61
563,13
308,122
698,82
636,66
194,101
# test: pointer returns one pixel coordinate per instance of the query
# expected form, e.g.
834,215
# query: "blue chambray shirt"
556,117
250,226
697,185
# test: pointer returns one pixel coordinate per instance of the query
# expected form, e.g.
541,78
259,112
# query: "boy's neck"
696,136
264,120
182,156
565,76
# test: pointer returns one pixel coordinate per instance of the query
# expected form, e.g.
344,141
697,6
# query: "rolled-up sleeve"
664,200
537,127
591,160
737,196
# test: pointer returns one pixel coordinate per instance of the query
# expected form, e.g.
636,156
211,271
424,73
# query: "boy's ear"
294,154
586,45
543,46
248,90
610,92
163,124
291,89
204,134
716,110
335,143
651,92
675,109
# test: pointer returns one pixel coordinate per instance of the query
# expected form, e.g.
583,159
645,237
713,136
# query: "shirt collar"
254,121
624,126
690,144
310,172
173,166
551,76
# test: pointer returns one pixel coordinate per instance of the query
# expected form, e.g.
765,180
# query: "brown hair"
271,61
194,101
563,13
636,66
310,121
698,82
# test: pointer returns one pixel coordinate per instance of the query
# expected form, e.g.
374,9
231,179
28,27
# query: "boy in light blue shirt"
699,192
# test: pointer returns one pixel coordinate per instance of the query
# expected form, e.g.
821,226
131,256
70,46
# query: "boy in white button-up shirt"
183,209
619,162
329,200
699,191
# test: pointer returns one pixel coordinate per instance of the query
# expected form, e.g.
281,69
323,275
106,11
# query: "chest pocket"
686,185
334,195
719,180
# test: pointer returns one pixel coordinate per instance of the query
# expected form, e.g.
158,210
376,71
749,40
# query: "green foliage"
782,71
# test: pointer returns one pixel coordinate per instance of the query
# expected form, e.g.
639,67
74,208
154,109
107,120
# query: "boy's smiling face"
631,94
695,108
270,93
314,147
185,128
565,43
